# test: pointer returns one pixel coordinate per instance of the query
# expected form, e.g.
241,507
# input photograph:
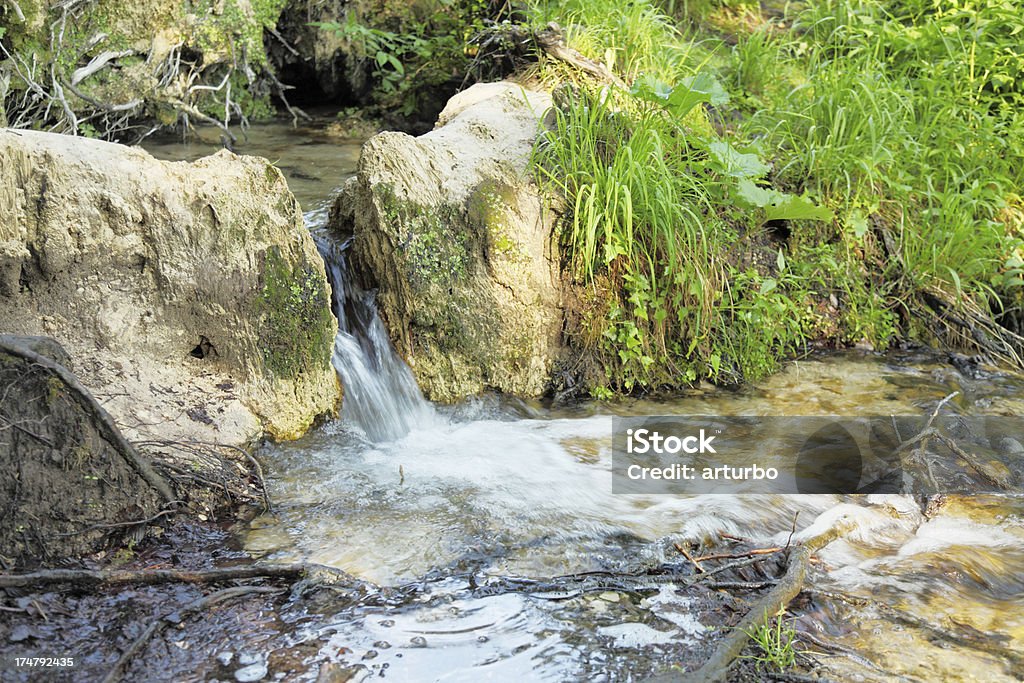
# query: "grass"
884,137
774,640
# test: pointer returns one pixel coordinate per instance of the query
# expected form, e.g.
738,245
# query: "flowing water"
441,501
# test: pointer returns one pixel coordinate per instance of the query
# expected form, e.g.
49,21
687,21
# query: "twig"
201,604
119,525
687,555
742,585
283,42
734,556
792,530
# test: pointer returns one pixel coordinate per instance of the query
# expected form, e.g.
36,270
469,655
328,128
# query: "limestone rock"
459,241
189,295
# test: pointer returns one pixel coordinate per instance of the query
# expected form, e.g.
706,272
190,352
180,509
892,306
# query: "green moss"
487,207
297,327
434,255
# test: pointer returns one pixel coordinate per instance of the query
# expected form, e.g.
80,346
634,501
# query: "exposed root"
214,466
89,404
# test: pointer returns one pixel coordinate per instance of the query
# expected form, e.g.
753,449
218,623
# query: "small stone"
248,659
225,657
608,596
251,673
418,641
20,633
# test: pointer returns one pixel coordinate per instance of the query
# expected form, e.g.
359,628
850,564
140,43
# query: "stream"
441,502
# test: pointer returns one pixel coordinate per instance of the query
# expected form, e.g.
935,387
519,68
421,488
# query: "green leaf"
780,261
791,207
748,194
681,99
767,285
857,220
736,164
708,85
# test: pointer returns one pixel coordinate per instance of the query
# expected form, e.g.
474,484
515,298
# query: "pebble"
225,657
251,673
19,633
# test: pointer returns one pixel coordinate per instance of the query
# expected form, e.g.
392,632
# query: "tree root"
92,408
116,577
788,587
117,673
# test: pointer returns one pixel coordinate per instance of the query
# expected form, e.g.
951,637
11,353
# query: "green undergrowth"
762,183
412,49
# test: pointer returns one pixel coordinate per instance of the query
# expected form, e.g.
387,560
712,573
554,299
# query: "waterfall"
380,393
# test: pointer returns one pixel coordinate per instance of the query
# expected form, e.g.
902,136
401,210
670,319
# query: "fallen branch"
716,668
551,41
175,617
115,577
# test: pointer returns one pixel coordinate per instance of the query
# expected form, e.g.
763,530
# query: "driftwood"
114,577
716,668
552,42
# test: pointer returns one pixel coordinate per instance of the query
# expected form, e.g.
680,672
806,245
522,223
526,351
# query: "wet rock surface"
460,244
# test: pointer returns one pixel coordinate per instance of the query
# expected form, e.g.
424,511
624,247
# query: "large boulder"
189,295
457,238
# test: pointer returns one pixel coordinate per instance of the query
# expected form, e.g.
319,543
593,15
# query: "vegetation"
774,641
842,174
413,49
110,69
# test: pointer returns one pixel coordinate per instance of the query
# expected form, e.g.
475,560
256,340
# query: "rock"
189,295
20,633
457,238
251,673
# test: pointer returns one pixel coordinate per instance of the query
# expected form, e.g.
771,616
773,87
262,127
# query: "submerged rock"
460,243
189,295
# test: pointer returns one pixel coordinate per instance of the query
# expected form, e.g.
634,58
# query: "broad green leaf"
708,85
736,164
767,285
750,195
780,261
681,99
791,207
778,205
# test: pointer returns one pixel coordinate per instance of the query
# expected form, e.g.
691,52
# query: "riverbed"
492,491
